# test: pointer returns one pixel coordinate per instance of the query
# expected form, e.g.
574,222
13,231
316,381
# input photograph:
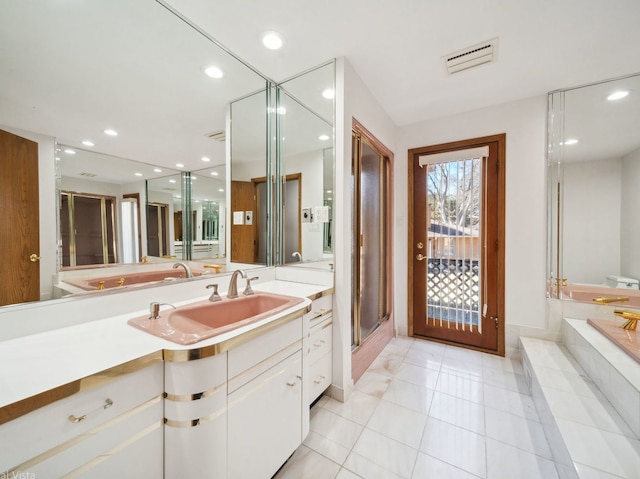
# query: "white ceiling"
396,46
71,69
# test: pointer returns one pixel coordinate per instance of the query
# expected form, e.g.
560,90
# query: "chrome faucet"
297,254
233,284
186,267
248,290
214,295
154,309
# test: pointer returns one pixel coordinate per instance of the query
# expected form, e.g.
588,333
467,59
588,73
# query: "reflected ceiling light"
272,40
138,174
571,141
172,181
328,93
617,95
57,158
179,165
329,191
110,132
221,190
206,158
213,71
69,151
157,170
87,143
323,137
214,173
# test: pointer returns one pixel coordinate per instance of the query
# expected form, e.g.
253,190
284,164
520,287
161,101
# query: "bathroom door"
456,262
19,220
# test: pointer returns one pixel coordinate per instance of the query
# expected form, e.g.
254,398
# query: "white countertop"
39,362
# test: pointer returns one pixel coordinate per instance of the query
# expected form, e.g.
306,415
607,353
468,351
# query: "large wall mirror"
305,125
127,86
593,173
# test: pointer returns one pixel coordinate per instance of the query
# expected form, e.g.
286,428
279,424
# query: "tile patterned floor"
426,410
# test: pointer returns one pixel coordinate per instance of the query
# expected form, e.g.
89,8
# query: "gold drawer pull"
293,383
76,419
319,380
317,344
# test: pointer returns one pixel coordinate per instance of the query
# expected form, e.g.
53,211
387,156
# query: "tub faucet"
186,267
298,255
233,284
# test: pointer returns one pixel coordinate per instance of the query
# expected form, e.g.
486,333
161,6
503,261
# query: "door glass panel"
453,238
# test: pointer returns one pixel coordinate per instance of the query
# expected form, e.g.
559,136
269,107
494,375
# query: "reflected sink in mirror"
206,319
130,279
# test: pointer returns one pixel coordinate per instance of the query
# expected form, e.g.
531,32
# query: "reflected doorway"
158,229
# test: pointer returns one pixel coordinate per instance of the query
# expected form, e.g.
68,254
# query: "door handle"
34,257
420,245
420,257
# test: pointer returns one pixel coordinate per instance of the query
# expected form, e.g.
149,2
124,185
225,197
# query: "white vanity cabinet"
196,418
265,402
318,347
110,430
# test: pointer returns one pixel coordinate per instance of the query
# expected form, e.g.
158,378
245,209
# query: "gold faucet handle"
632,318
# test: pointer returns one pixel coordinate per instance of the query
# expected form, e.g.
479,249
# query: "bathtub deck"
628,341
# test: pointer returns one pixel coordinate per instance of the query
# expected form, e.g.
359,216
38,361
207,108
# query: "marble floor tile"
459,412
508,462
384,452
454,445
459,386
308,464
347,474
386,365
362,467
328,448
399,423
429,467
409,395
419,375
358,409
514,402
335,428
374,384
517,431
425,358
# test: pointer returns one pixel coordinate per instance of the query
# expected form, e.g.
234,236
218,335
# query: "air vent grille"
88,175
473,56
217,135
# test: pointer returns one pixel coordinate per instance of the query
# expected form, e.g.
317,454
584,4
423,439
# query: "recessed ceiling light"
221,190
272,40
179,165
88,143
69,151
617,95
213,71
172,181
323,137
328,93
157,170
214,173
194,177
329,191
206,158
138,174
571,141
110,132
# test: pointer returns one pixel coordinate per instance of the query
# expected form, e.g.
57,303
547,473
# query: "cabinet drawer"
249,354
319,376
320,340
49,426
320,308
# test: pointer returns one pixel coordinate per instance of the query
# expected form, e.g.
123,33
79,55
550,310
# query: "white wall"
48,214
630,216
591,220
353,100
524,123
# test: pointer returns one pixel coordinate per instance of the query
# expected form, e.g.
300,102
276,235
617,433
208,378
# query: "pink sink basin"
205,319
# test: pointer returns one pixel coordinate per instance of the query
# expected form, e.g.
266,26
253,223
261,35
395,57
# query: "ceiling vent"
470,57
217,135
88,175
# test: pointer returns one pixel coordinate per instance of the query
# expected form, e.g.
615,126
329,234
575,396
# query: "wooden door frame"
500,139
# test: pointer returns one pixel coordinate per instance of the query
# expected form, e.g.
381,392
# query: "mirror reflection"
306,130
594,173
142,94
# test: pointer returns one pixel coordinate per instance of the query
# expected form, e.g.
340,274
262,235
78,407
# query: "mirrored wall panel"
594,171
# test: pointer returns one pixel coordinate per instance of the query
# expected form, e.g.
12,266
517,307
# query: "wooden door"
456,265
244,243
20,220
